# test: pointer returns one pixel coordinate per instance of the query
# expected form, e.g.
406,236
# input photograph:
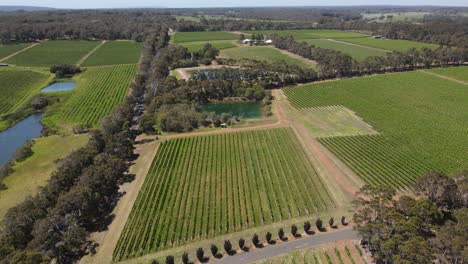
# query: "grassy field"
98,91
17,85
389,44
206,186
310,33
180,37
6,50
115,52
264,53
53,52
422,120
357,52
339,253
36,170
198,45
459,73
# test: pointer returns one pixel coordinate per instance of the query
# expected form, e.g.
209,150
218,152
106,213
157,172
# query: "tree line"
115,24
333,63
427,229
79,197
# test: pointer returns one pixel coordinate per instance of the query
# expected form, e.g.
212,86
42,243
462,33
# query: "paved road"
287,247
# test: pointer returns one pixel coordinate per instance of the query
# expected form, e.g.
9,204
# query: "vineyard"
268,54
6,50
98,91
459,73
357,52
310,33
206,186
17,86
389,44
115,52
203,36
53,52
421,119
340,253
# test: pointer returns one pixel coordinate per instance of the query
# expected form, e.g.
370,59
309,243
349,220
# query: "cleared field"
389,44
459,73
329,121
310,33
98,91
357,52
197,45
206,186
180,37
115,52
339,253
34,172
6,50
53,52
264,53
17,85
422,119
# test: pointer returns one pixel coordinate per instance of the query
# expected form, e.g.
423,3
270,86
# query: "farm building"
246,41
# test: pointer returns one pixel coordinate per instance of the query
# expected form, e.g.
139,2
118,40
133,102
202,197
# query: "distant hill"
24,8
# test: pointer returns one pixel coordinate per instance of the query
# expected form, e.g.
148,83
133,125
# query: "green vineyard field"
115,52
206,186
357,52
459,73
6,50
310,33
204,36
98,91
53,52
17,86
389,44
422,121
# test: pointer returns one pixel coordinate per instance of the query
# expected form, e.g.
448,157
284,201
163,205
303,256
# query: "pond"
240,109
15,136
59,87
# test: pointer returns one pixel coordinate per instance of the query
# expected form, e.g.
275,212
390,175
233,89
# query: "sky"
220,3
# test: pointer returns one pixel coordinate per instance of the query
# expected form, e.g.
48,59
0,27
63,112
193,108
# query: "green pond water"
243,109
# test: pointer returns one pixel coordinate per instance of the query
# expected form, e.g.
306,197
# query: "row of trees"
333,63
80,195
416,230
256,243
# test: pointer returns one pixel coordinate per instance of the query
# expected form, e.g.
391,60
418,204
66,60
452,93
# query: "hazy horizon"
88,4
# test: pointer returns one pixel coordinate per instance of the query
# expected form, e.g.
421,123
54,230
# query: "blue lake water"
15,136
59,87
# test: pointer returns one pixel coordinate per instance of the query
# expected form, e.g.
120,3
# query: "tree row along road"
287,247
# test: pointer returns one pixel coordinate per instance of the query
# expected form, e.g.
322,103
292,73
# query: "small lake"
15,136
59,87
241,109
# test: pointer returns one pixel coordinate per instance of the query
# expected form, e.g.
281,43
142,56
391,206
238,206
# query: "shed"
246,41
223,125
268,41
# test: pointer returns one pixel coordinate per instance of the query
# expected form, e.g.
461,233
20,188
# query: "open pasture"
422,119
34,172
310,33
198,45
53,52
357,52
98,91
181,37
337,253
6,50
17,85
206,186
389,44
459,73
264,53
115,52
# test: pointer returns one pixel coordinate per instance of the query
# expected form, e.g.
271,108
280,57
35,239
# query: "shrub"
294,230
24,151
255,240
331,222
228,246
242,244
185,258
319,224
65,70
214,250
200,254
268,237
281,234
307,226
170,260
343,221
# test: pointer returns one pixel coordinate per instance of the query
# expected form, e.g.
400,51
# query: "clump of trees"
409,230
64,70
